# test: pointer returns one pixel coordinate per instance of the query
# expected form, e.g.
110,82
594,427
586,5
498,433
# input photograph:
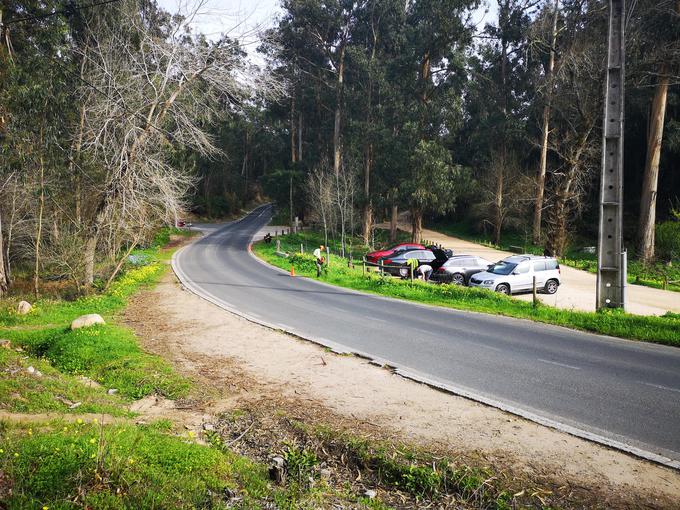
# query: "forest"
116,118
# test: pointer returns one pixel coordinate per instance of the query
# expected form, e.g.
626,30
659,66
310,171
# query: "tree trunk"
416,225
498,204
41,209
337,149
558,232
368,206
500,190
4,273
368,162
393,223
290,191
293,145
4,276
121,261
299,135
651,177
540,181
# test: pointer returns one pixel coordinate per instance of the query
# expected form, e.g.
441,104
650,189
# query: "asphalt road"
619,392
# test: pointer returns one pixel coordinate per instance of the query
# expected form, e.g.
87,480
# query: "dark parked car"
459,268
374,256
397,263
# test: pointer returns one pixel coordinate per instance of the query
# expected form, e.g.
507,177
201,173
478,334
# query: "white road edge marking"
419,377
559,364
661,387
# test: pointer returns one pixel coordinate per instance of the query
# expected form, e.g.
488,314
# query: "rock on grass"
85,321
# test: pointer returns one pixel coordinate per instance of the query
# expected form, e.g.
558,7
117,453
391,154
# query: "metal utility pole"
611,258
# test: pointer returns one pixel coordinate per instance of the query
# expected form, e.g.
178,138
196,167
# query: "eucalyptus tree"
654,32
431,72
498,101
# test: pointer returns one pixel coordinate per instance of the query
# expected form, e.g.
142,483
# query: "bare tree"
320,196
344,188
575,141
162,90
545,134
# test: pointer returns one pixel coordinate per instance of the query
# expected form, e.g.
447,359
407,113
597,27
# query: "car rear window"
551,264
457,262
539,265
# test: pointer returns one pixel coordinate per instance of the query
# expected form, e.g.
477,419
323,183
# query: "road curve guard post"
611,259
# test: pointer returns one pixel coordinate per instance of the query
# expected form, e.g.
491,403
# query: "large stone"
85,321
24,307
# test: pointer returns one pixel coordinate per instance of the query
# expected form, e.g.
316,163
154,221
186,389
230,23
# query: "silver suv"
516,274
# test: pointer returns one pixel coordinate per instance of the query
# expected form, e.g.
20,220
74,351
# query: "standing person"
320,259
424,271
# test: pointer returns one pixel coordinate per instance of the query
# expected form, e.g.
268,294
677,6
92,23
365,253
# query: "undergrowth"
88,465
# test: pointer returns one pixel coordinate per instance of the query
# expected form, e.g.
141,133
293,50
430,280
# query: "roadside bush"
303,262
668,240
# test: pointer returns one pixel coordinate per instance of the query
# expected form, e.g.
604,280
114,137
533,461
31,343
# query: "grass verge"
663,330
60,465
108,354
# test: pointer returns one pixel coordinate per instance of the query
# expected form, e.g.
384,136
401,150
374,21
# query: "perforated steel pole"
610,262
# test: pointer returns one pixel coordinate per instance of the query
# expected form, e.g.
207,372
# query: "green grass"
54,391
86,465
650,275
664,330
107,354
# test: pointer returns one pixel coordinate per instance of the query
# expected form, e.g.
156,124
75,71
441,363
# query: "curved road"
617,392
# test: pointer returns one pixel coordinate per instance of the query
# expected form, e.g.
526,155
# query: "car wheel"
403,272
503,288
551,286
458,279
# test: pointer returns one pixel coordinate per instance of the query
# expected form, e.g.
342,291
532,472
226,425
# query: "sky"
243,19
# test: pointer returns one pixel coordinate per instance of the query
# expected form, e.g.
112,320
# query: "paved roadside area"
578,287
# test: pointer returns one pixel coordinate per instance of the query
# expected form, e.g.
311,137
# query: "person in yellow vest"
413,265
320,259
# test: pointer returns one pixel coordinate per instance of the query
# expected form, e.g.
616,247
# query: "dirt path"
251,362
578,287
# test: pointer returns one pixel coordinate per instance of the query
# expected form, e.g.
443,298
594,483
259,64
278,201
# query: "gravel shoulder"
578,287
248,363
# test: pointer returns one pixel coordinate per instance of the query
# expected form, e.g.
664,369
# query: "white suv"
516,274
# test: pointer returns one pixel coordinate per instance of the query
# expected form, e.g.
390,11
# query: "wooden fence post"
535,297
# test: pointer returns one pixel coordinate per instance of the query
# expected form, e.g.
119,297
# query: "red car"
374,256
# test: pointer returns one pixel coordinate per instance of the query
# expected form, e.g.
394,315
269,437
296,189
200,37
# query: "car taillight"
387,261
441,270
